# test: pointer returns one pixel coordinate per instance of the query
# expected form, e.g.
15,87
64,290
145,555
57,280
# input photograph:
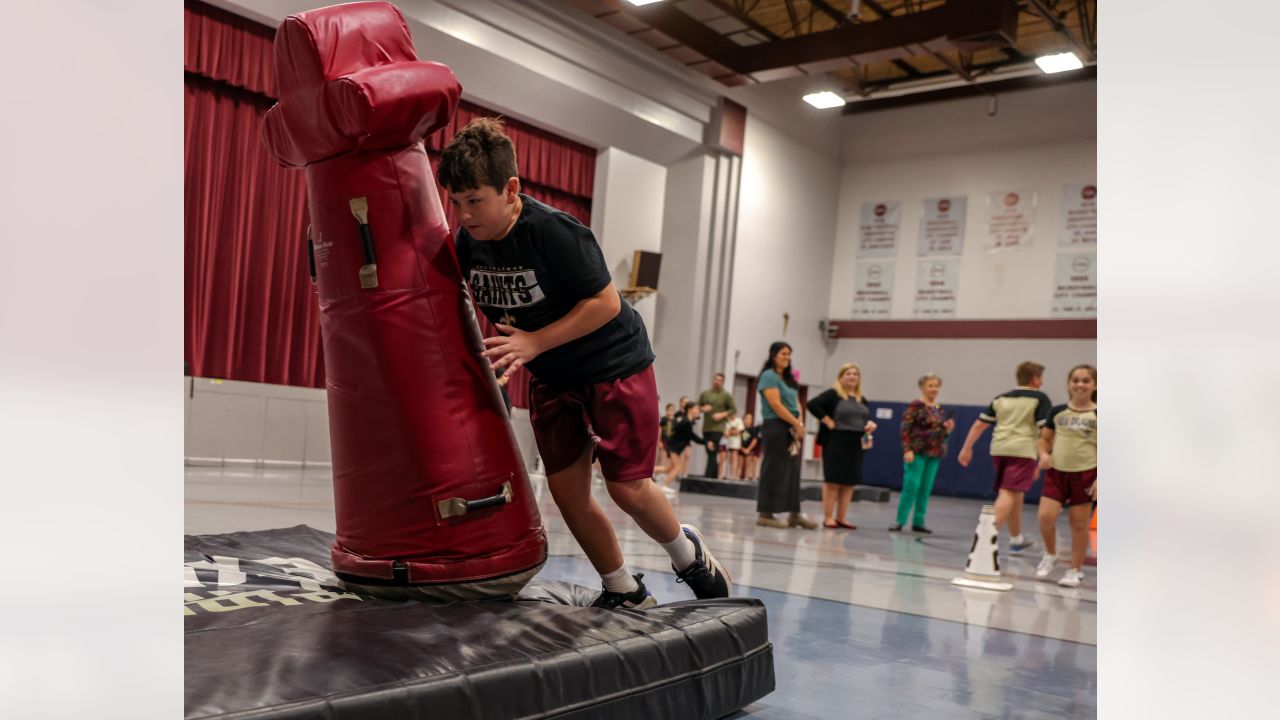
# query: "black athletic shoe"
706,577
638,599
895,528
921,529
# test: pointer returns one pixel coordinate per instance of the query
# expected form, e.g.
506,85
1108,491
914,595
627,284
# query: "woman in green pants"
924,438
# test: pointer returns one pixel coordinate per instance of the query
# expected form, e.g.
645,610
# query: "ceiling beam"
1052,18
882,13
685,29
843,19
926,95
1086,24
795,21
950,64
986,19
741,16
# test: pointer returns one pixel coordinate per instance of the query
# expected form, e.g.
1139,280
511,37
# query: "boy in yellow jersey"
1018,416
1069,455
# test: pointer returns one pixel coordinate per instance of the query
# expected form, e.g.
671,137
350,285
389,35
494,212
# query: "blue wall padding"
882,465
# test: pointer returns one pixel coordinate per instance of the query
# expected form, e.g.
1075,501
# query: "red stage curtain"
228,48
251,312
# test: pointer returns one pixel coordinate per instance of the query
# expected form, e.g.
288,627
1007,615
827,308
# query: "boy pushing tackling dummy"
539,276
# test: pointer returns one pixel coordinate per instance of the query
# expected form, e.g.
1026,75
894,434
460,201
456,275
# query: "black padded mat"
270,634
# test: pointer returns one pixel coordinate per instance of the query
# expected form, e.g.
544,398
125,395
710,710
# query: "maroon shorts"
619,417
1015,473
1069,488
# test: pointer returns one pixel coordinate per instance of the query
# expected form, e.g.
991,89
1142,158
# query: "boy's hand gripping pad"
427,476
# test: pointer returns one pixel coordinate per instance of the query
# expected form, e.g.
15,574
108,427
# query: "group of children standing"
732,442
1030,434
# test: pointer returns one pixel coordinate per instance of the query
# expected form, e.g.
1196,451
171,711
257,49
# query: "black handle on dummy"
366,241
500,499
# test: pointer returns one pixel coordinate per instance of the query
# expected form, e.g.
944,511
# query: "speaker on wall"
645,267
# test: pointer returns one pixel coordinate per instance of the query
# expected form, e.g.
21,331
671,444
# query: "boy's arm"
518,347
975,431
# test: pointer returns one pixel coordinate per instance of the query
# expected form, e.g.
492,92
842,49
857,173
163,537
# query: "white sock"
620,581
681,550
1015,539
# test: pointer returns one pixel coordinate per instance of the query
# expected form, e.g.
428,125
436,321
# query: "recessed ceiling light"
1059,63
638,3
825,99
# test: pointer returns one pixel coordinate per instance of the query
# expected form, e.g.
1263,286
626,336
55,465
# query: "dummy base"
270,634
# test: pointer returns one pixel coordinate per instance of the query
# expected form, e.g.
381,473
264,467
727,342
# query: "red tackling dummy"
429,487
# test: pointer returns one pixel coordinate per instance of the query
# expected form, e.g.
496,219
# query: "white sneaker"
1072,578
1046,566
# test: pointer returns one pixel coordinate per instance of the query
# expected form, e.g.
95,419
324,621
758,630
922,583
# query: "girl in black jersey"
682,436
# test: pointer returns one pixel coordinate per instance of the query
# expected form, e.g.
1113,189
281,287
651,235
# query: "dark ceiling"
865,47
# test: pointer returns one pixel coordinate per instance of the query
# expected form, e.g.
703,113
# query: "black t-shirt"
548,263
666,426
682,434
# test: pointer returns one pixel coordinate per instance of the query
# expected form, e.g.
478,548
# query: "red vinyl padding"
415,414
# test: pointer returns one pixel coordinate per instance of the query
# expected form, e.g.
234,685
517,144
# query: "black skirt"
779,485
842,458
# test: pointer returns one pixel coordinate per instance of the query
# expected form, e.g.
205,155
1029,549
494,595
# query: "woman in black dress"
845,431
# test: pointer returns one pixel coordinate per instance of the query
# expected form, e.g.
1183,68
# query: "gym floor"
864,623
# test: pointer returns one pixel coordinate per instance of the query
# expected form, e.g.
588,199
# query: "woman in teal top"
779,489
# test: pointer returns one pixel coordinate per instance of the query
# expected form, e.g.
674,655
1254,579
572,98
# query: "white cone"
982,571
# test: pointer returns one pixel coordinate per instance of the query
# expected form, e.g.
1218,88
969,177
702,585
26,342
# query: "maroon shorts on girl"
1070,488
1015,473
619,416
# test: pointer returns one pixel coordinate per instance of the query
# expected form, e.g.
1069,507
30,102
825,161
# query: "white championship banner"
942,226
937,288
878,227
1079,227
873,292
1075,286
1011,216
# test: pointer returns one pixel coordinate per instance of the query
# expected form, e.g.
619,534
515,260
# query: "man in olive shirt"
718,405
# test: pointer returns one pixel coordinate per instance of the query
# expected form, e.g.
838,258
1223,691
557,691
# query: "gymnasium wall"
628,216
786,230
1039,140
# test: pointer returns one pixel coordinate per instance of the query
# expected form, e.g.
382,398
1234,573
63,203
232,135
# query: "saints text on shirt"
505,287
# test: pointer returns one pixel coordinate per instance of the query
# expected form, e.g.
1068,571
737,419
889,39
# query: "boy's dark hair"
480,154
1029,371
